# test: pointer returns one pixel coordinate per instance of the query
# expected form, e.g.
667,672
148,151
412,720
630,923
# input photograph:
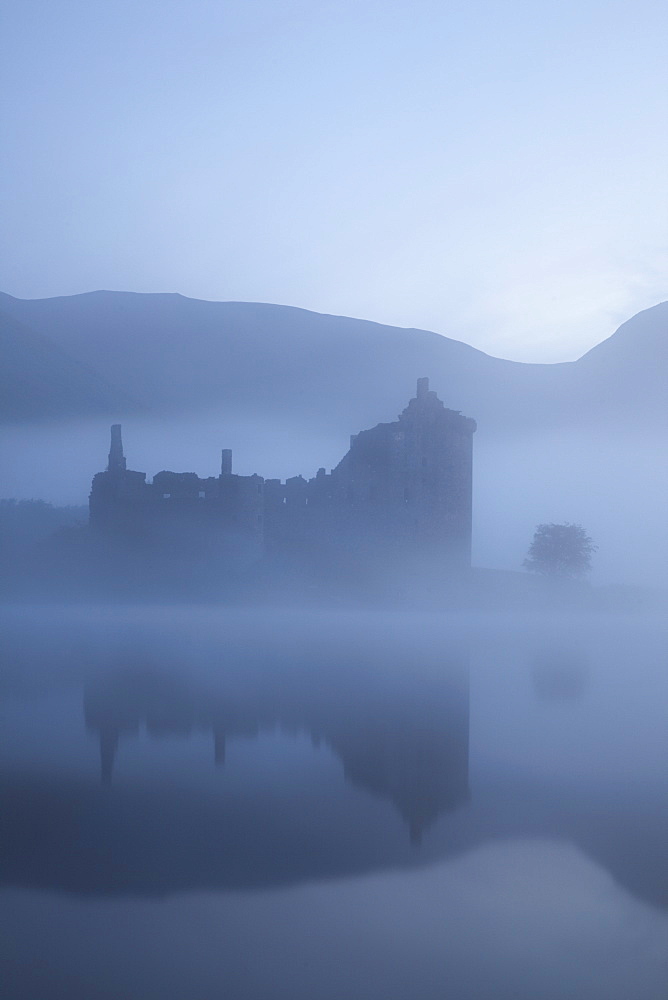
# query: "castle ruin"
402,493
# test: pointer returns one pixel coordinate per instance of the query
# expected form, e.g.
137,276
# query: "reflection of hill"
559,674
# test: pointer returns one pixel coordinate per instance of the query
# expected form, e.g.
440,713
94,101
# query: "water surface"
264,804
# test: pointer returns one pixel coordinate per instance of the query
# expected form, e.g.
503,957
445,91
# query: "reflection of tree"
559,674
411,747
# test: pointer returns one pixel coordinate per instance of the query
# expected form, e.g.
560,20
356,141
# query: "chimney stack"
116,457
422,387
226,462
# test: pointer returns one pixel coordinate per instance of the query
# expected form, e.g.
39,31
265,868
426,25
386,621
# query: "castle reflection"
396,741
391,711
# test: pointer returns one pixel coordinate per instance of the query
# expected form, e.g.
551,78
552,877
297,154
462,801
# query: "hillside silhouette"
119,352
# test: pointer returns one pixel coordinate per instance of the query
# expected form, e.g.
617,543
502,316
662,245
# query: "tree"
563,550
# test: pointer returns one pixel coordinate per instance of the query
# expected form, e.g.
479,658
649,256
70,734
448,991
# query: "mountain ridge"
99,292
172,354
173,296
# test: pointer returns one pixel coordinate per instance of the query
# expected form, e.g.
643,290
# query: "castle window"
166,496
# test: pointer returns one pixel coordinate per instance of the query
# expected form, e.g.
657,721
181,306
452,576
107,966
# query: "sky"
493,171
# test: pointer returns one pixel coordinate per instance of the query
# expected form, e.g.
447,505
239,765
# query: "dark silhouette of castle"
402,492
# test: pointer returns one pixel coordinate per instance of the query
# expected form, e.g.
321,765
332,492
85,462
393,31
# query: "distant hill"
629,370
110,352
39,380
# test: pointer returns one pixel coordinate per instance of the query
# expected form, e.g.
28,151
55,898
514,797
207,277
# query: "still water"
200,803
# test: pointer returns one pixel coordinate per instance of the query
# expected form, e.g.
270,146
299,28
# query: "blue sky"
492,171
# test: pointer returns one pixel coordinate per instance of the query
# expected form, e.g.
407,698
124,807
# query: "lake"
259,804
